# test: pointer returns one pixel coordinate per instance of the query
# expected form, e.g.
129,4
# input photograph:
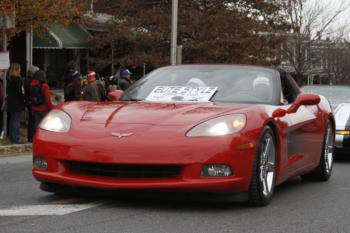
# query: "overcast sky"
346,15
344,18
331,6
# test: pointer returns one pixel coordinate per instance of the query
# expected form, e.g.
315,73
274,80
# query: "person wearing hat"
27,95
68,75
40,97
91,90
124,81
72,91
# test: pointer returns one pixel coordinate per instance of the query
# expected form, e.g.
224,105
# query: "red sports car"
190,128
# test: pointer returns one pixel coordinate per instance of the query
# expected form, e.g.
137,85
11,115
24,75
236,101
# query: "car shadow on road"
197,202
294,184
178,200
342,158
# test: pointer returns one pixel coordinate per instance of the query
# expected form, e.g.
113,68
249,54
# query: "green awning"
63,37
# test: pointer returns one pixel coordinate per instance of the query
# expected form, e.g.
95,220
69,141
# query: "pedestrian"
69,74
27,93
40,97
124,81
72,92
101,84
113,80
15,101
91,91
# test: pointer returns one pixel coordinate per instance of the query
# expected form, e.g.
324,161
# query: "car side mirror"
115,95
280,112
304,99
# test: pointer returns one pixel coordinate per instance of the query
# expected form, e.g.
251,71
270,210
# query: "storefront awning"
63,37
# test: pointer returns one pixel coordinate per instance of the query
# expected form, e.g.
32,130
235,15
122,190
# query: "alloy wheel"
267,164
328,149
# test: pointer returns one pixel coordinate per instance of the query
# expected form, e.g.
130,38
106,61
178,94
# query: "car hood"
150,113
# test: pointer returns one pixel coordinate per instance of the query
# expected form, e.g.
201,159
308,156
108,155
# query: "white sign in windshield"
181,93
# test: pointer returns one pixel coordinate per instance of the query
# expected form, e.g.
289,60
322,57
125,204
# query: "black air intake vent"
125,171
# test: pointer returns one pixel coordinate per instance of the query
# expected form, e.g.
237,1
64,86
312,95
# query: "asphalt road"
297,206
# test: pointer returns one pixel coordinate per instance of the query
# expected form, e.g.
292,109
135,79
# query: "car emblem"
120,135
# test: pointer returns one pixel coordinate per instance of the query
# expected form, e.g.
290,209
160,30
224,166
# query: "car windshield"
335,94
205,83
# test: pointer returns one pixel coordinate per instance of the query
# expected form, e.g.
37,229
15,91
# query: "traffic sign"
7,16
6,8
4,60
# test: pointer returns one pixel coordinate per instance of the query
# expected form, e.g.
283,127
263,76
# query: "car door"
302,131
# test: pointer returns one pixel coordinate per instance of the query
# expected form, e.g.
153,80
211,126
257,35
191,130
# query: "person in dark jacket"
72,92
40,97
101,84
91,91
27,86
15,101
68,75
124,81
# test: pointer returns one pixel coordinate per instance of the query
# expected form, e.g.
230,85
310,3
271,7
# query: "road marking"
49,209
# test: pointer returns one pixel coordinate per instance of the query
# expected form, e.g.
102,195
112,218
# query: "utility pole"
4,48
112,54
144,70
8,24
174,17
179,54
92,6
29,47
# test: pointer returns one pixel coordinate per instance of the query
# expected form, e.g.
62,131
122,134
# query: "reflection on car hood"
149,112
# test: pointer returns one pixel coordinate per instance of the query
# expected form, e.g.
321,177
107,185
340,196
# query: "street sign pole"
29,47
4,47
174,17
8,13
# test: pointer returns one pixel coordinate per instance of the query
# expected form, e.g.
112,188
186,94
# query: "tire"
324,170
263,178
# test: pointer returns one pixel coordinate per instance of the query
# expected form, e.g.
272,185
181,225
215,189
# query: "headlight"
56,121
220,126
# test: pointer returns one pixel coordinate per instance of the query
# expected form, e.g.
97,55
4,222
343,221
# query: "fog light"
216,170
40,163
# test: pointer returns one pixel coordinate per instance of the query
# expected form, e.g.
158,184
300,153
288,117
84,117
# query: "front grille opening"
125,171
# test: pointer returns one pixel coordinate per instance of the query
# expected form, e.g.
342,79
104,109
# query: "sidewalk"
14,149
9,149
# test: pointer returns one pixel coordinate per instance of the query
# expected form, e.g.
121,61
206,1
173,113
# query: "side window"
288,91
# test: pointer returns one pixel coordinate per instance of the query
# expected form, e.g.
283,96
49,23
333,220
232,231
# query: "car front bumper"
191,154
342,141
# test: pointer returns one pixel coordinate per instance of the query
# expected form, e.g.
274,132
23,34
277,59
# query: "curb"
7,150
